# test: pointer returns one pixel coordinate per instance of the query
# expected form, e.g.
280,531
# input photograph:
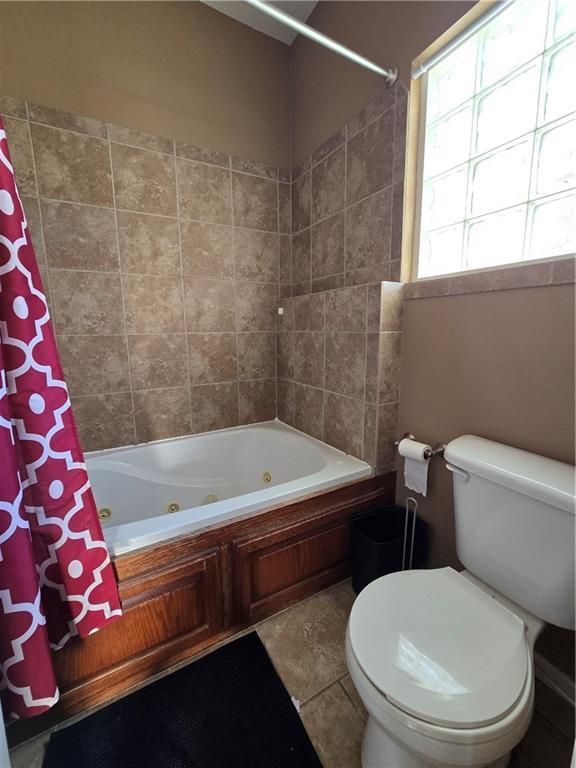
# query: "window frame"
414,176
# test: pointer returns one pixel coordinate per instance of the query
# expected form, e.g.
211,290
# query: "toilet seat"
439,648
470,747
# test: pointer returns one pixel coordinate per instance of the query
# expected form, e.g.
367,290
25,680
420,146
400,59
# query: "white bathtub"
211,478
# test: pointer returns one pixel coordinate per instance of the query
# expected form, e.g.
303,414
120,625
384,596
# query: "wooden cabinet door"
168,613
275,569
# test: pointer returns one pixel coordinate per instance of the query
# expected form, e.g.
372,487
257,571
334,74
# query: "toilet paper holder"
437,450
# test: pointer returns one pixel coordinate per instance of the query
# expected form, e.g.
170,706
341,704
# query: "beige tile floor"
306,645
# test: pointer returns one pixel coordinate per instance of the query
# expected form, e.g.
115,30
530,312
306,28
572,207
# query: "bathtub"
149,493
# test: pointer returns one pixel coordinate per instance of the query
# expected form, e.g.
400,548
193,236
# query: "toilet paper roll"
415,465
411,449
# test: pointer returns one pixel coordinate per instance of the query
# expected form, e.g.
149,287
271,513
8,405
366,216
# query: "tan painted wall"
176,69
499,365
328,90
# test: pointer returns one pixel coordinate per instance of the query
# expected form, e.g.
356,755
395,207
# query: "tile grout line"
332,609
179,333
115,272
348,207
345,200
323,416
49,298
292,303
308,166
324,332
365,371
293,350
116,232
303,600
147,214
232,216
281,300
276,315
183,294
376,404
125,144
354,704
391,220
376,117
310,254
342,287
363,416
172,388
343,395
69,130
330,331
231,167
328,154
337,681
290,233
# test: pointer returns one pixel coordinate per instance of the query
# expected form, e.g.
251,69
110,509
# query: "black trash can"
378,542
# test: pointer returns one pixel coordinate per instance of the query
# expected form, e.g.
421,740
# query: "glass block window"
498,171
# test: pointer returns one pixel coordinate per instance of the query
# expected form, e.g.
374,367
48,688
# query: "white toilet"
443,660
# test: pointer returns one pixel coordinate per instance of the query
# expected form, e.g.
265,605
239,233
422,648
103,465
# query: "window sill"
552,272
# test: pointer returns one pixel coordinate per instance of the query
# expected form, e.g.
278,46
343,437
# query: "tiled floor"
306,645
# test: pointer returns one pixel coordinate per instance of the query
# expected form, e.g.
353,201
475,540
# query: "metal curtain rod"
390,75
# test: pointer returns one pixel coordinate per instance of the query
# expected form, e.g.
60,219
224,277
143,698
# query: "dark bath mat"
226,710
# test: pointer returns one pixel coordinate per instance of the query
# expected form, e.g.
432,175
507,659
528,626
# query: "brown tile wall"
339,367
162,264
339,338
347,201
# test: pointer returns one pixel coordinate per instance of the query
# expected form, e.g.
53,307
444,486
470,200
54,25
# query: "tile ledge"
544,273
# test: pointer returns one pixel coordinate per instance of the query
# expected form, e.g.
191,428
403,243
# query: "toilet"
443,660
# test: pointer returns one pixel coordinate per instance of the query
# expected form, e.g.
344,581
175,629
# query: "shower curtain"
56,580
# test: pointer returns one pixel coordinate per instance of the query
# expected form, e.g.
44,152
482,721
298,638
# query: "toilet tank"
514,514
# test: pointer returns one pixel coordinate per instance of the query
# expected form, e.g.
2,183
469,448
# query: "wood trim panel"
277,566
176,608
276,569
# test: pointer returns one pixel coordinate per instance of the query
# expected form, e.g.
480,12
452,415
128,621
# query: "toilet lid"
439,647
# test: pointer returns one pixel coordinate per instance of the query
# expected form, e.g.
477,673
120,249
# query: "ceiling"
247,14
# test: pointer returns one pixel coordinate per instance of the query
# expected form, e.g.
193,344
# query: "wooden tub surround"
183,595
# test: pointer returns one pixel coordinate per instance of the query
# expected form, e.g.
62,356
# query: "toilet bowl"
443,668
443,660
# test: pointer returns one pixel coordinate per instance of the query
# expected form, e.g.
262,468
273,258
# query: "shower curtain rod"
390,75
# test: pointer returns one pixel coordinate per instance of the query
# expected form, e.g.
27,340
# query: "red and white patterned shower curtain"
56,580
